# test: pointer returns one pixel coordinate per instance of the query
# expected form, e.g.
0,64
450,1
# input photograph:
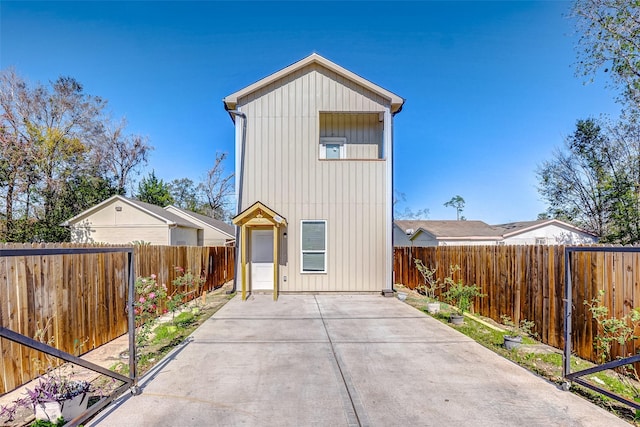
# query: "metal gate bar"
566,355
130,382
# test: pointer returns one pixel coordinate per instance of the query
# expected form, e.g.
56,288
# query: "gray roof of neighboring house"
520,226
215,223
451,228
161,212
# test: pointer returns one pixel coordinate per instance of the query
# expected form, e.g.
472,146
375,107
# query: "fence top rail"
61,251
569,249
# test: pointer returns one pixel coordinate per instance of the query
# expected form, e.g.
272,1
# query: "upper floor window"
333,147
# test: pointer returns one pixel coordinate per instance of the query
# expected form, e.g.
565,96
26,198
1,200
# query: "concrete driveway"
341,360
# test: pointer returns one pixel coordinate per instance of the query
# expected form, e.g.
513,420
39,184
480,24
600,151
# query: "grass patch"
184,319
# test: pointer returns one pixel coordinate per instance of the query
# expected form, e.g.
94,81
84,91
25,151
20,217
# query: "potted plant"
461,296
53,397
55,394
430,285
517,331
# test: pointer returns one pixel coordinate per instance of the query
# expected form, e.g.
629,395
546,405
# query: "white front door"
262,260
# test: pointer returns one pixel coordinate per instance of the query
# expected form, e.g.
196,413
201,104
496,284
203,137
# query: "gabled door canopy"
258,215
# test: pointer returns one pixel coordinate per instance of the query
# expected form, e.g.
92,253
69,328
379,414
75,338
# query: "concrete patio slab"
341,360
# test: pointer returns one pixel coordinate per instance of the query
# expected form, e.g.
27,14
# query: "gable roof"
153,210
221,226
262,213
514,228
231,101
451,229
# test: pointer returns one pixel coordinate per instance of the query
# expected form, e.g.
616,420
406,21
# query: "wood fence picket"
84,296
527,282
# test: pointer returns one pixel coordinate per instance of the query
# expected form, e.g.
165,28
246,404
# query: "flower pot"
402,296
511,342
49,411
456,319
433,307
67,409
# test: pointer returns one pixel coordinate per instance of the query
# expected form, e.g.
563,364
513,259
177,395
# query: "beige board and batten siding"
120,226
282,170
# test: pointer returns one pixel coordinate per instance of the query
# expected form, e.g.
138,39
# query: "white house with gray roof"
422,233
120,220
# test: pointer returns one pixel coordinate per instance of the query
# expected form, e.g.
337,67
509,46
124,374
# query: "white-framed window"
313,245
333,147
541,240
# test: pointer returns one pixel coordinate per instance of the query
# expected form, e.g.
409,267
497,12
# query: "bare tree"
216,188
122,154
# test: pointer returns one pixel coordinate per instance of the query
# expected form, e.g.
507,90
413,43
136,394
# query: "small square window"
333,147
541,240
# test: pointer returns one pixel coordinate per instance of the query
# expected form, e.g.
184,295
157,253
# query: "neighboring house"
544,232
215,232
314,180
119,220
441,233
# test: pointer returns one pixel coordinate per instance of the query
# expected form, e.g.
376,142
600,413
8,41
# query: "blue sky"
489,86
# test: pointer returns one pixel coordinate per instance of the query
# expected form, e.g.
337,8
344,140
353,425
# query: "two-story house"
314,155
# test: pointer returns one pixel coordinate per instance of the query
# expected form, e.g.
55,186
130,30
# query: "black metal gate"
577,377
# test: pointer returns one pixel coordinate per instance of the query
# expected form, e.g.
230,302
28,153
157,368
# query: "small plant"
53,389
430,282
524,328
46,423
146,307
621,331
187,284
611,329
55,383
459,294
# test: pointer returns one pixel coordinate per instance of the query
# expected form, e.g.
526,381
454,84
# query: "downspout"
243,116
393,219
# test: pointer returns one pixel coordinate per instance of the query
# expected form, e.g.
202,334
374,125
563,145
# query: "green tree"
78,194
456,202
186,195
594,180
50,136
155,191
610,40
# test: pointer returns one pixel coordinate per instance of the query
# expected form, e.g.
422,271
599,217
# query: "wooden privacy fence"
527,282
84,296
